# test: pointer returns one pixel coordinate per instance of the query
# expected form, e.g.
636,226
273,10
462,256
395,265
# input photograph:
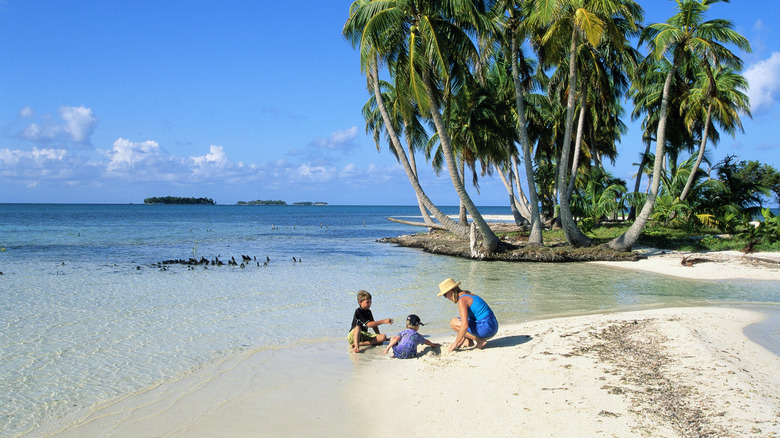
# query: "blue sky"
113,102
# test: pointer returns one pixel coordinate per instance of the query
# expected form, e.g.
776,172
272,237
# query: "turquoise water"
87,315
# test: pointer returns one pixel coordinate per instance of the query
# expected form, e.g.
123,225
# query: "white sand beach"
715,265
659,373
663,373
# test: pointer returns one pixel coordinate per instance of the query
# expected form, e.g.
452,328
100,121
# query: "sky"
117,101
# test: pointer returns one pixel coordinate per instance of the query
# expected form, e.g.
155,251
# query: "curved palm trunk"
521,198
535,236
520,212
413,164
638,183
627,240
489,239
702,146
577,147
574,236
460,230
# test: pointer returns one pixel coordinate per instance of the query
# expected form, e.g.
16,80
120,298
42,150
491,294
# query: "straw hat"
446,286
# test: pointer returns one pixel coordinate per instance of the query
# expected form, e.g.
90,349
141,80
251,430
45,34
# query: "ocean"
89,312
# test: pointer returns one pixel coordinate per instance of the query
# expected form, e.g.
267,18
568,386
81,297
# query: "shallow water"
87,315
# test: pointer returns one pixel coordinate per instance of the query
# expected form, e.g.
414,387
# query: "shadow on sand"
508,341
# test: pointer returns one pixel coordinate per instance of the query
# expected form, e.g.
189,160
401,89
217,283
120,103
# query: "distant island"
261,202
179,200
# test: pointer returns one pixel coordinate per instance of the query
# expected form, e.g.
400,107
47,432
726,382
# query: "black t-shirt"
361,317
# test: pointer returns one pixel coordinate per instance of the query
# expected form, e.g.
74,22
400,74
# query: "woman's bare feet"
481,343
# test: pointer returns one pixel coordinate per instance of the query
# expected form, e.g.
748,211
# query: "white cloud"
764,80
15,157
79,122
32,167
313,173
338,140
76,125
216,156
129,162
348,171
126,153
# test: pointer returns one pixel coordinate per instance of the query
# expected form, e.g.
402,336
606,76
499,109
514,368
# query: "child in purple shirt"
405,344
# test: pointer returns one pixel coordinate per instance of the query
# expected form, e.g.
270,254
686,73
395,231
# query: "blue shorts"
484,328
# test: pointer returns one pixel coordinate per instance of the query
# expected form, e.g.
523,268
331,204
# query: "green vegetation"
261,202
762,237
179,200
476,88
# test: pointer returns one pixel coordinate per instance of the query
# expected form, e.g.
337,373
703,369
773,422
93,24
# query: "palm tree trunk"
638,183
489,239
574,236
520,194
463,217
413,164
702,146
577,147
535,236
457,229
627,240
519,211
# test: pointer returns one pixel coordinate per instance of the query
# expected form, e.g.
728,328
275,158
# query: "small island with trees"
261,202
179,200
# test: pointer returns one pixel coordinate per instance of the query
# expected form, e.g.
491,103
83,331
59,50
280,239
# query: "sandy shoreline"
659,373
716,265
662,373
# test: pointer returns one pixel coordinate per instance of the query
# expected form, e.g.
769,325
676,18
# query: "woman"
481,322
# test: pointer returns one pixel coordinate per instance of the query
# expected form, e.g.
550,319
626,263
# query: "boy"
361,321
405,344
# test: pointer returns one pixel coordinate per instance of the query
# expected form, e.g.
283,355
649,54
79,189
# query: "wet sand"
662,373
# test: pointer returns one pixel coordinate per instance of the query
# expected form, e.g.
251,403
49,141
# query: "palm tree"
429,41
721,93
684,35
353,31
575,21
406,120
511,32
603,83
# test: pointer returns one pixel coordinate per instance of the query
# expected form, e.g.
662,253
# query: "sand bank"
659,373
295,391
715,265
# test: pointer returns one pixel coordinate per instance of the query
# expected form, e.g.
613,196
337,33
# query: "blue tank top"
478,309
